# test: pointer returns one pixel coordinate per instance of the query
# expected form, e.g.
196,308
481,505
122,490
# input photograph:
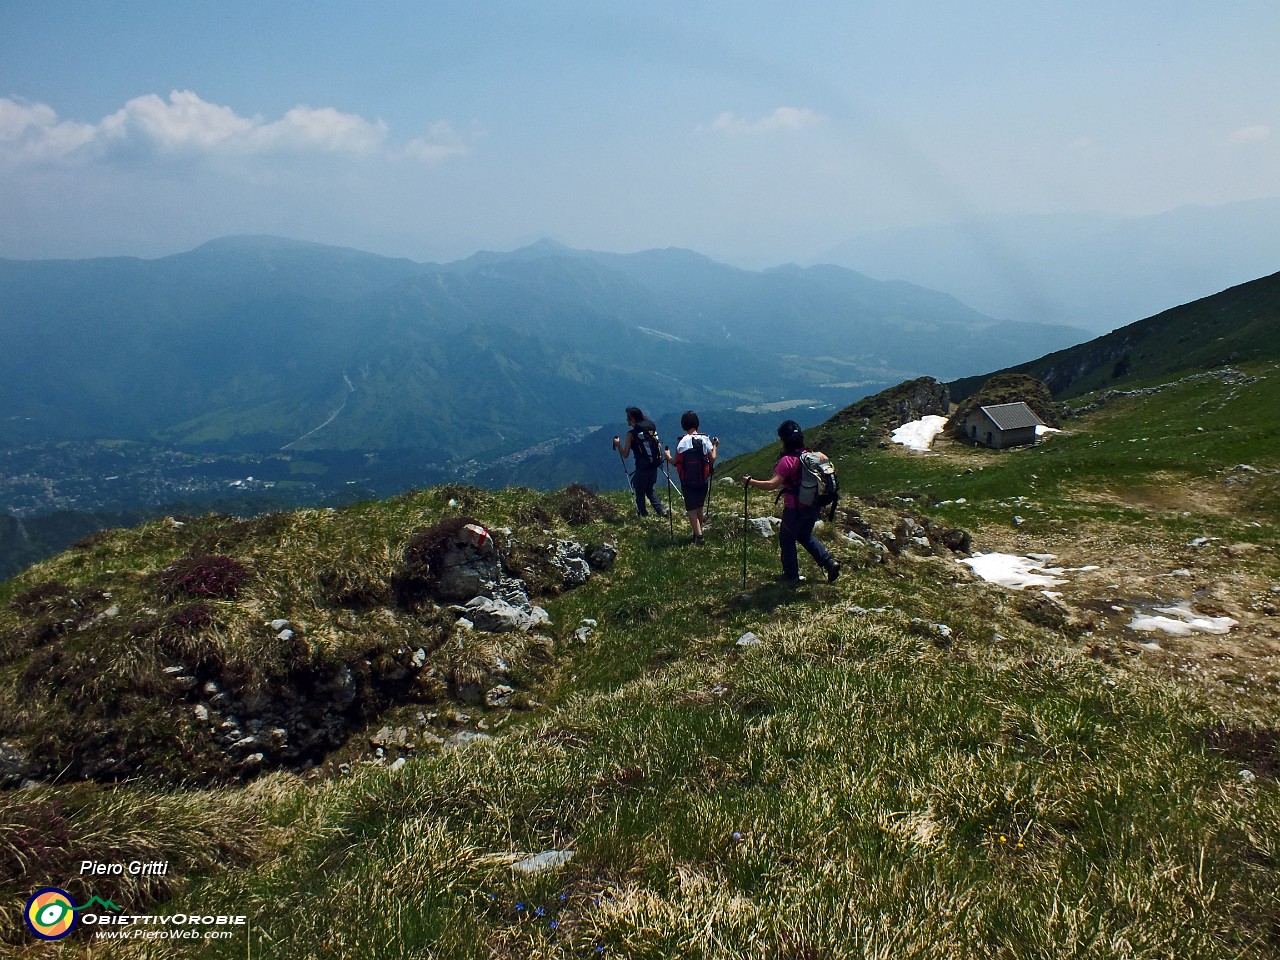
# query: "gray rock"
749,640
766,526
570,559
466,738
388,737
602,557
542,862
466,571
497,616
499,696
15,766
512,590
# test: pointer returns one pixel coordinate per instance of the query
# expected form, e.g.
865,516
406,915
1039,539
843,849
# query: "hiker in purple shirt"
797,521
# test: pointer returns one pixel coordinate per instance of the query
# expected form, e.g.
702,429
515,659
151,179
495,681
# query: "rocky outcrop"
459,597
907,402
1227,375
909,535
880,415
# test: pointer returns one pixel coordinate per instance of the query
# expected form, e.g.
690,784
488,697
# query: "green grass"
888,799
855,786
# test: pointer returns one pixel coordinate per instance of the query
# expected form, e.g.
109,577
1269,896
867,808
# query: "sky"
755,133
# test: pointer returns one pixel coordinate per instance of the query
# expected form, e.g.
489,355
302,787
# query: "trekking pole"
744,536
711,480
623,462
671,517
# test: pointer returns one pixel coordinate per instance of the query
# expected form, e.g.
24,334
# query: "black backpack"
647,449
693,465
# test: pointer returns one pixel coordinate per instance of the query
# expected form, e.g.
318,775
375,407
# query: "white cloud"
303,128
32,131
1254,134
441,142
782,120
17,118
186,124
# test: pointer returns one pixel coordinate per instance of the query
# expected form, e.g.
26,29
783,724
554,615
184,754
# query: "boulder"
497,616
15,766
602,557
766,526
569,559
466,571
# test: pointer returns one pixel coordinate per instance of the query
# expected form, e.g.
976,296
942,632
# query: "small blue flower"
554,924
564,897
540,912
520,907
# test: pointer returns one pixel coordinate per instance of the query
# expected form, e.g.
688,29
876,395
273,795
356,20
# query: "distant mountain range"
501,367
1089,271
256,344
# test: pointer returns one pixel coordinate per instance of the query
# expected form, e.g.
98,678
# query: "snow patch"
1181,621
1015,572
919,434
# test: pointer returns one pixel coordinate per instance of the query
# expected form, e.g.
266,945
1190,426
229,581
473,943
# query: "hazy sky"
756,133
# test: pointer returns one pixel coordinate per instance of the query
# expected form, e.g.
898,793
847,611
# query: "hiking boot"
699,540
833,570
783,578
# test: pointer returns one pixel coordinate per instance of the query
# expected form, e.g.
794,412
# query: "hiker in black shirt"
642,438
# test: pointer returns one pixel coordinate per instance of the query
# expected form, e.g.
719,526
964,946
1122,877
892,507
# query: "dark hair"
792,436
689,420
635,414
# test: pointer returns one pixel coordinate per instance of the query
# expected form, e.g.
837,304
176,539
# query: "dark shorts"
694,497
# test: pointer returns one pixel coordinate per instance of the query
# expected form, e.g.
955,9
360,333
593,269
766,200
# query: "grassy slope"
854,786
1239,325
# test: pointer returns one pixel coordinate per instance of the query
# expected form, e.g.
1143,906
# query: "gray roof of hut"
1012,416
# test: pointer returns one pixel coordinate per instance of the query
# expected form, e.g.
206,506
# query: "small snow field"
919,434
1181,621
1015,572
1020,573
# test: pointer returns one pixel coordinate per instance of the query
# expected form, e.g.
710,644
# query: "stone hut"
1002,425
